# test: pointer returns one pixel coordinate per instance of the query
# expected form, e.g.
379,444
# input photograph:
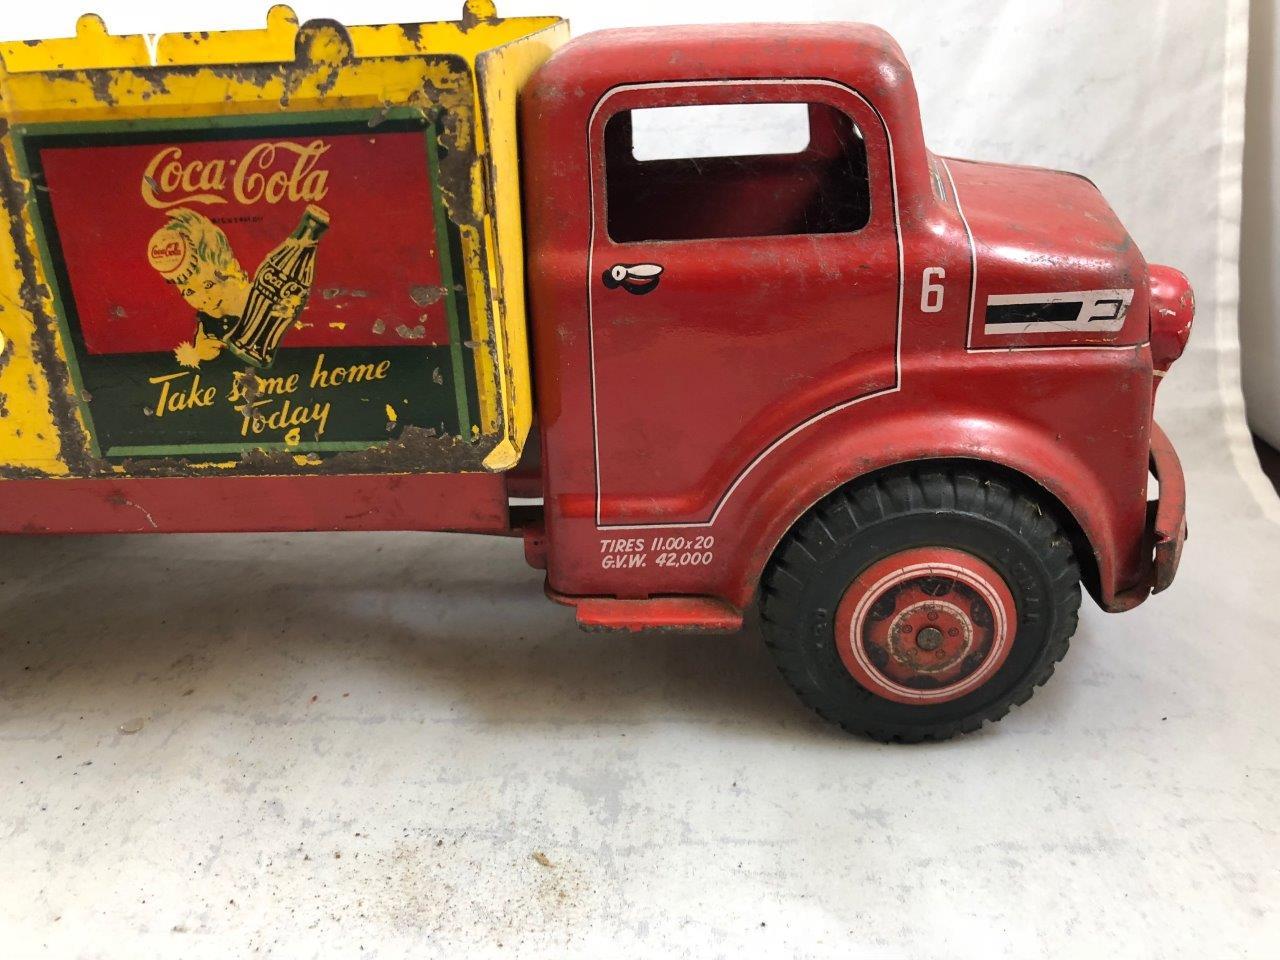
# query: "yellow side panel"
29,436
471,70
502,72
92,48
131,93
469,42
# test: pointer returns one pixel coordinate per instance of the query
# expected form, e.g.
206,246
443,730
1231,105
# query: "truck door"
744,277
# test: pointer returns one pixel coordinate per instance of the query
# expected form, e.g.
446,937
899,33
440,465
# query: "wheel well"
1080,545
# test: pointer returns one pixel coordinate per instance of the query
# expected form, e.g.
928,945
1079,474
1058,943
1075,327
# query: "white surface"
414,704
719,130
1260,286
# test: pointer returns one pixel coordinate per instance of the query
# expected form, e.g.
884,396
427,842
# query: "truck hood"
1047,232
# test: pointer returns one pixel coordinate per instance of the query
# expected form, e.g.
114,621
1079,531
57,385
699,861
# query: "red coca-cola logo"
167,251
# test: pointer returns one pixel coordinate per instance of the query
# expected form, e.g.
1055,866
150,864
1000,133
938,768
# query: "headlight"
1173,307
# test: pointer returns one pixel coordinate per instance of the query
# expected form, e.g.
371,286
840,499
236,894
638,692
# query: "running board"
672,614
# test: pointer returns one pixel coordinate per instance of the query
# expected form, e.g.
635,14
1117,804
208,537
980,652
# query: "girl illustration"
193,254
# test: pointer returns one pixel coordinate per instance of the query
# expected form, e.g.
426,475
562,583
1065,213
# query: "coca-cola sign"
267,172
275,286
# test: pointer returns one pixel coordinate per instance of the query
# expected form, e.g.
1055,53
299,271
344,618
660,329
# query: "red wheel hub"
926,625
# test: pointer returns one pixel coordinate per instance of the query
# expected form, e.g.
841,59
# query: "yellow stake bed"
281,251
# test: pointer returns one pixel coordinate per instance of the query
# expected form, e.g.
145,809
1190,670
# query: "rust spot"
425,296
456,157
475,12
415,450
100,81
308,61
330,293
251,385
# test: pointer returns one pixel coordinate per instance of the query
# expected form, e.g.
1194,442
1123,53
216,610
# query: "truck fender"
813,466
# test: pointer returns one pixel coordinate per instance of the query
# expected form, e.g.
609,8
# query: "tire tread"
847,512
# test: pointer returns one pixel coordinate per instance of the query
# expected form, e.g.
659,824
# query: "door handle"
634,278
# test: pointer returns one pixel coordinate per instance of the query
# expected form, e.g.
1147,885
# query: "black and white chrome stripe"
1101,311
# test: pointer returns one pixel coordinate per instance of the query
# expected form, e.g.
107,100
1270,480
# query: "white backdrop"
1126,811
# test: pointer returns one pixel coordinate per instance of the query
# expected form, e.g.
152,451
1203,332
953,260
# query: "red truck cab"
821,338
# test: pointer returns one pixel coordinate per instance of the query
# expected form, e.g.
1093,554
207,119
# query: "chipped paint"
501,73
281,70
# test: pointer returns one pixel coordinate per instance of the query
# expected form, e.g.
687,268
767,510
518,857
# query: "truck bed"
282,252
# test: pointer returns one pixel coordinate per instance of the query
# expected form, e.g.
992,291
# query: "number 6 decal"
930,291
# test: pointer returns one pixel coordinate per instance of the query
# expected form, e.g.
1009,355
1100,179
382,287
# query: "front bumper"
1170,527
1166,524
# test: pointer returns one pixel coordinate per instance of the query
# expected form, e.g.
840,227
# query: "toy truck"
692,311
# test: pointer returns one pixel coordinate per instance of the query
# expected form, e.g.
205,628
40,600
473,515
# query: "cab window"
707,171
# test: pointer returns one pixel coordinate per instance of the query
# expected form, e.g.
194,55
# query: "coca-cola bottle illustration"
279,292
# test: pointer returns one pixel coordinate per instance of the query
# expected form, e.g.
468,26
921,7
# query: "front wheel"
917,606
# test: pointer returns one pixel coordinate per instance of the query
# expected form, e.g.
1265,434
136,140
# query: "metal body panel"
143,180
682,614
463,502
717,301
502,72
1067,406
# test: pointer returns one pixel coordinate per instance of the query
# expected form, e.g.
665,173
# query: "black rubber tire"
871,519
